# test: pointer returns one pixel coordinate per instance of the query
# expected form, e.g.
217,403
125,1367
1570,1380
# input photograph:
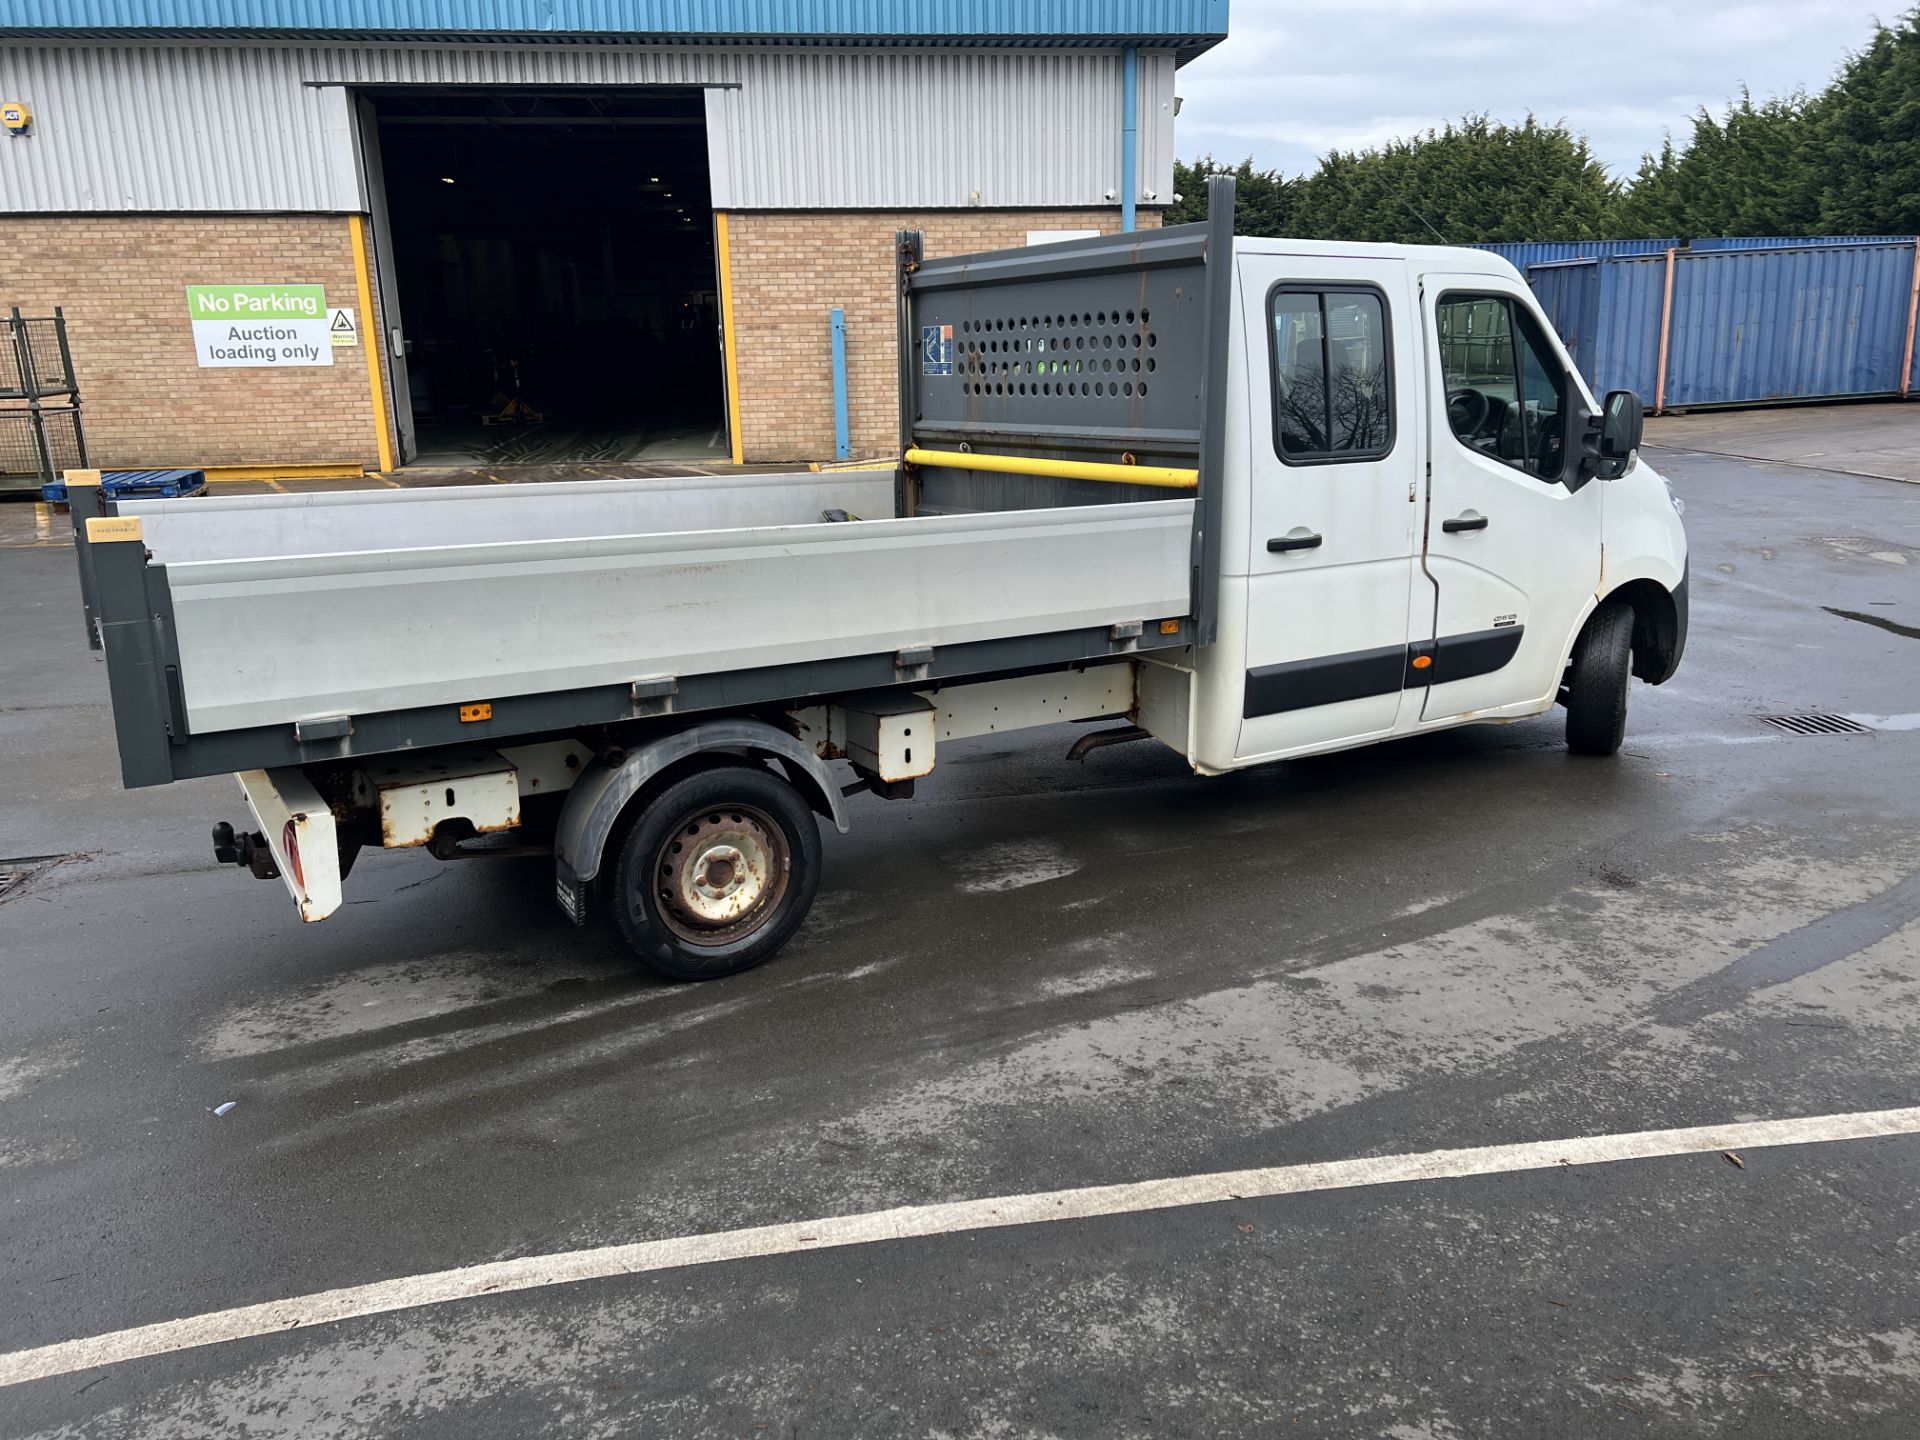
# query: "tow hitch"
250,850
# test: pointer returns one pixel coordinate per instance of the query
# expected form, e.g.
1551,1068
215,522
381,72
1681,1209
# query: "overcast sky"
1297,78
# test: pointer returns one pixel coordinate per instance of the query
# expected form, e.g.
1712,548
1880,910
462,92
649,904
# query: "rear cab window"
1329,355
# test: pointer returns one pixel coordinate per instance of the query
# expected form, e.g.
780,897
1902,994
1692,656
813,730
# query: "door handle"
1455,526
1294,542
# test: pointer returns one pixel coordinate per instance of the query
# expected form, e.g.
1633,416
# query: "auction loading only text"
257,343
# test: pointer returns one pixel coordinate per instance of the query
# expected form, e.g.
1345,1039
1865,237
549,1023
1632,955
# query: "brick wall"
791,268
147,402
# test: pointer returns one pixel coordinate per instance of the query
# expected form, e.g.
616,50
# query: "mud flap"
570,893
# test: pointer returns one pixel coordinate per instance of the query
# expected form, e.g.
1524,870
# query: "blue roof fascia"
1188,25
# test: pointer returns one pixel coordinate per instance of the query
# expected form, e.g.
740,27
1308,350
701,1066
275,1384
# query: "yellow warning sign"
341,328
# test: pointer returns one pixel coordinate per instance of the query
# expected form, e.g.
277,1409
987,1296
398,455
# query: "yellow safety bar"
1161,476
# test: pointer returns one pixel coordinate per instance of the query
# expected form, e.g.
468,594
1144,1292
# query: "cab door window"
1332,389
1506,389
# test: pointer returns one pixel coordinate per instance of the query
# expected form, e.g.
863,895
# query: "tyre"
717,873
1597,681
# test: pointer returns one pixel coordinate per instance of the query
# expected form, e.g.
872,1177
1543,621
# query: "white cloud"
1299,77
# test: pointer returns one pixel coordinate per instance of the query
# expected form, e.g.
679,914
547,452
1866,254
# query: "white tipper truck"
1250,498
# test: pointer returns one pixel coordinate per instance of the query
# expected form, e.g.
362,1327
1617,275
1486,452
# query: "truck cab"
1411,534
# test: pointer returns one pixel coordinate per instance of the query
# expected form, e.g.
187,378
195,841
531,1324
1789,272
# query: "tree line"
1843,162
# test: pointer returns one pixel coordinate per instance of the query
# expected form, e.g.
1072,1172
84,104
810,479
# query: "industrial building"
346,235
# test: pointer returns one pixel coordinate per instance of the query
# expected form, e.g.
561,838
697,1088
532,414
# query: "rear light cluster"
290,842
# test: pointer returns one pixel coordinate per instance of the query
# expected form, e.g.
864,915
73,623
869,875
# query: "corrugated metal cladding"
1522,253
1748,326
1789,324
929,129
1626,327
1569,291
157,127
1792,242
1187,22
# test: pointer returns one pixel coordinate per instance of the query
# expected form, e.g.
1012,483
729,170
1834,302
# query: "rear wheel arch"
610,798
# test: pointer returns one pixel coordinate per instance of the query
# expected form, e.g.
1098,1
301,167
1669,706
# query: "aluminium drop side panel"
270,641
221,526
1798,323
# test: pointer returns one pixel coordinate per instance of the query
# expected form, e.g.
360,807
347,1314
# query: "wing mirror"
1621,428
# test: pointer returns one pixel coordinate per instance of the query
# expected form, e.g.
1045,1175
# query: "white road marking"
535,1272
1888,722
1706,737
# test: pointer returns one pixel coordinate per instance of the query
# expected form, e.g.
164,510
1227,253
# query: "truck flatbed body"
303,626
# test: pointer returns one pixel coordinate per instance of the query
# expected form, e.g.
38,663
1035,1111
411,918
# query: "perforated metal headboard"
1098,350
1092,349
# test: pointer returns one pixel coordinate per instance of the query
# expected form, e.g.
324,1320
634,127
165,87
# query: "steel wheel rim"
720,875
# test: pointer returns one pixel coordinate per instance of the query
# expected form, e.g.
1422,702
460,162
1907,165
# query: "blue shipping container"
1791,242
1569,291
1748,327
1627,330
1788,324
1522,253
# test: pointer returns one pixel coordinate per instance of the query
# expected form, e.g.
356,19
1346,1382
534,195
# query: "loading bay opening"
546,257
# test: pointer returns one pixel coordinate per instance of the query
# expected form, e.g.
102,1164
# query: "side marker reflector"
471,713
1421,662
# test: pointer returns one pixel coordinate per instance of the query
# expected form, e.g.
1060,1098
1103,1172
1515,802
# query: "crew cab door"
1512,543
1333,465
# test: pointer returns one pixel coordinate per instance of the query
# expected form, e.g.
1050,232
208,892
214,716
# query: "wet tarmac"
1036,975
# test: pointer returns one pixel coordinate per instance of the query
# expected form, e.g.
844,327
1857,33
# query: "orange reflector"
471,713
1169,627
1421,662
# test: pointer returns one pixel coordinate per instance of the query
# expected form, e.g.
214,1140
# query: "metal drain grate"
1816,724
16,871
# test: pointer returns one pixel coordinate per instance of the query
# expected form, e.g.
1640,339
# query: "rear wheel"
1597,681
718,873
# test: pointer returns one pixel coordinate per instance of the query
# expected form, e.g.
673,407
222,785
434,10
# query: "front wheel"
1597,681
718,873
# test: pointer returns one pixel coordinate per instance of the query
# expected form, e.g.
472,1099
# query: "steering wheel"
1467,411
